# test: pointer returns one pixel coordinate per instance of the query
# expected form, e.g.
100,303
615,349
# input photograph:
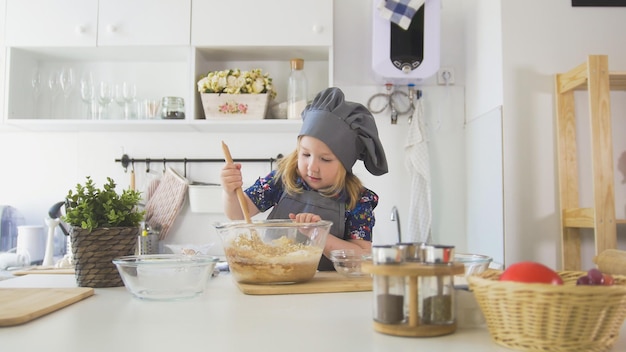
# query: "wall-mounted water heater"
407,56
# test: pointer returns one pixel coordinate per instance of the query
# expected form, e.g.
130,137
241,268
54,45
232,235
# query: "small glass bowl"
474,263
347,262
165,276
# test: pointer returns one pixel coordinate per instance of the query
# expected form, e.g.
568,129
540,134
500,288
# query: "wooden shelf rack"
593,76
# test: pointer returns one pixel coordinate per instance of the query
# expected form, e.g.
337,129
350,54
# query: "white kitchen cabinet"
2,54
144,22
266,23
51,23
35,23
162,46
249,34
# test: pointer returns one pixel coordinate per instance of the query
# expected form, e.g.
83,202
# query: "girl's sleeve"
360,220
265,192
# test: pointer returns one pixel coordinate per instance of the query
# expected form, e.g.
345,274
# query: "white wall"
39,168
539,39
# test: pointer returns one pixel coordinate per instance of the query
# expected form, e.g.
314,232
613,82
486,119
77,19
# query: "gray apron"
313,202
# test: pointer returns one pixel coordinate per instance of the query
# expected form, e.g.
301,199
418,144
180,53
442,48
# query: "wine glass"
66,80
119,98
129,92
36,84
54,85
105,97
87,93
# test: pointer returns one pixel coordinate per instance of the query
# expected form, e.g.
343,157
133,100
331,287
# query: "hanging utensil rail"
126,161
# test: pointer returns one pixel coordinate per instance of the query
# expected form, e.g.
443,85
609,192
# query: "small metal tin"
412,251
438,254
387,254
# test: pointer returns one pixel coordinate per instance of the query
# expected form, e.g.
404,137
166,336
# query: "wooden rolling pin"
611,261
242,197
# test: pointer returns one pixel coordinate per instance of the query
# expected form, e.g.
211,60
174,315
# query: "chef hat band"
347,128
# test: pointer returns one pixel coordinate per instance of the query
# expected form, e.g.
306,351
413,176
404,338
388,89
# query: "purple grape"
595,276
584,280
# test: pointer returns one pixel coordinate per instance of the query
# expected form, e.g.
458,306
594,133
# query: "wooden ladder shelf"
593,76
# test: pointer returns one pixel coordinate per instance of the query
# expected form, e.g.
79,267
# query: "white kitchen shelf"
117,49
218,126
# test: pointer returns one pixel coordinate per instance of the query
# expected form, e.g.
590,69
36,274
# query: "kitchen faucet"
395,216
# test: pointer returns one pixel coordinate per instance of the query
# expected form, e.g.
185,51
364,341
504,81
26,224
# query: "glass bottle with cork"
297,89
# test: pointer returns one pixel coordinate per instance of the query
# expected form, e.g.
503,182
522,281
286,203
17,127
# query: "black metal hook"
125,160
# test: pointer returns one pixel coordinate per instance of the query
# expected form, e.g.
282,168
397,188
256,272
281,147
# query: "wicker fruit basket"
541,317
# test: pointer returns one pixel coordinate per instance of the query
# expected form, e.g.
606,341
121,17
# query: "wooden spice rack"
412,271
593,76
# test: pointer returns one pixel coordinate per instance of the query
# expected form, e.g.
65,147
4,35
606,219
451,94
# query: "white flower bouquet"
237,81
236,94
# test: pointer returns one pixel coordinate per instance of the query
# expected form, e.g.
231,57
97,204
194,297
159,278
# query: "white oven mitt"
166,202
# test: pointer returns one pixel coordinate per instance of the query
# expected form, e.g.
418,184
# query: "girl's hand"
304,217
230,177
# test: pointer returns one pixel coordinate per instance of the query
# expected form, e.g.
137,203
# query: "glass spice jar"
173,108
436,296
389,291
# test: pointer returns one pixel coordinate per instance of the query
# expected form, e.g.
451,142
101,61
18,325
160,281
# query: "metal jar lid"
412,251
438,253
387,254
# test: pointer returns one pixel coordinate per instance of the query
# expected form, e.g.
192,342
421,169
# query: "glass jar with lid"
389,292
172,108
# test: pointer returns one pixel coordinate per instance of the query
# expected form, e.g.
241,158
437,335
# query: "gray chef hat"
347,128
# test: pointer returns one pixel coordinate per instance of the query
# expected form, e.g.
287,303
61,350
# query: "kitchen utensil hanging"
163,207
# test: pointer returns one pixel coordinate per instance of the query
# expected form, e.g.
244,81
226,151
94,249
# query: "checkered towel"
400,12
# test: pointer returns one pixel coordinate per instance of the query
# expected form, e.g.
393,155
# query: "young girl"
316,181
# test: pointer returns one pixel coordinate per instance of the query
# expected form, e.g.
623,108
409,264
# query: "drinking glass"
54,85
105,97
87,93
36,84
67,82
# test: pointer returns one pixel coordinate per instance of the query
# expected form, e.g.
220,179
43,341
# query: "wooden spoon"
242,198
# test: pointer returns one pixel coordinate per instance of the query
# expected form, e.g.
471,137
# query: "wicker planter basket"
93,252
540,317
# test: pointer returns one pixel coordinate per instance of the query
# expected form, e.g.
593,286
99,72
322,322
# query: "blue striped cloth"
400,12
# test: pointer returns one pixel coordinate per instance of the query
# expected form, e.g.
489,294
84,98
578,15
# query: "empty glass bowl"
347,262
165,276
474,263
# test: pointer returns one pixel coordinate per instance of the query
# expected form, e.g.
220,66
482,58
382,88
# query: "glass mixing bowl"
273,251
165,276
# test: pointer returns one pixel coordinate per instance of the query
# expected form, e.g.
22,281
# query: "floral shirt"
266,192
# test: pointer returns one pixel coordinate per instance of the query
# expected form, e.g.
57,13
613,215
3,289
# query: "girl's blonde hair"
287,172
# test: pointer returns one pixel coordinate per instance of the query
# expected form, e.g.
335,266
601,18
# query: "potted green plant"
104,224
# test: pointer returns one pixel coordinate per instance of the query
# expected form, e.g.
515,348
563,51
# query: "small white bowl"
165,276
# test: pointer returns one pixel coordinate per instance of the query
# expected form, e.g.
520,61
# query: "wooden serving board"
322,282
43,270
21,305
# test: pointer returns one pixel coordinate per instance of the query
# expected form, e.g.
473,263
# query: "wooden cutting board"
43,270
322,282
21,305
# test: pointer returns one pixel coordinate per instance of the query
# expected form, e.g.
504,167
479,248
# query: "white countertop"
222,319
